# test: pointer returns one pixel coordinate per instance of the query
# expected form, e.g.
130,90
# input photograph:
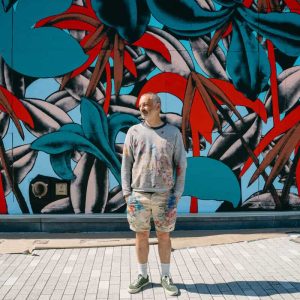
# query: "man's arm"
180,166
126,169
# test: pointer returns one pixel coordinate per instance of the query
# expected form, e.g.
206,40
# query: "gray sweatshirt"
154,160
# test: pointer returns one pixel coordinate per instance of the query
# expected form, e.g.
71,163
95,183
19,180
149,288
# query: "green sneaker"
138,284
168,285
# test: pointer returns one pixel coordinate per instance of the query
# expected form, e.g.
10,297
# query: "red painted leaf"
118,63
108,88
288,122
86,39
186,109
92,56
238,98
129,64
247,3
71,25
293,5
149,41
176,85
200,119
88,10
165,83
228,30
43,22
194,205
18,108
76,17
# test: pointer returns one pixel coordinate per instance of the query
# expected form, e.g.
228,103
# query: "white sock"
142,268
165,270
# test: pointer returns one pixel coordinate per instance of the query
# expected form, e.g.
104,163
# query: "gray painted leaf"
214,65
116,202
206,4
78,187
134,51
11,80
63,100
143,67
97,188
226,41
124,100
77,86
4,123
14,81
228,148
265,201
288,90
181,62
2,79
89,190
62,206
285,170
21,160
46,116
122,109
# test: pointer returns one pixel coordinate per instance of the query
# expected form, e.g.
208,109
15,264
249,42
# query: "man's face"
148,108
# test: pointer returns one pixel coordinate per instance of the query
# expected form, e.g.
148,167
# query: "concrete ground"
27,242
205,265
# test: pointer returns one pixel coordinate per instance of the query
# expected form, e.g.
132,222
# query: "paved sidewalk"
262,269
22,243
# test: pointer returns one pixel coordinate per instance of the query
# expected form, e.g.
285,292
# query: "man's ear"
158,106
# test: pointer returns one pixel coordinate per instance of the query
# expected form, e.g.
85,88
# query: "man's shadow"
237,288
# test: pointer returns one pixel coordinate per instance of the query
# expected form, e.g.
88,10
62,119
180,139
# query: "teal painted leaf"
187,17
7,4
117,122
252,75
209,179
75,128
94,121
281,28
95,128
128,17
37,52
61,164
62,141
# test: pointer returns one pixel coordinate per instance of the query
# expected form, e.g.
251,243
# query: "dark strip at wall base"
118,222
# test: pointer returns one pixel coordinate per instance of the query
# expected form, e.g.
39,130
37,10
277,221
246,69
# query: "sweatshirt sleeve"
127,163
180,165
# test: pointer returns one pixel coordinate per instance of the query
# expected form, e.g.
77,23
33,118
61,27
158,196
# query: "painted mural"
72,72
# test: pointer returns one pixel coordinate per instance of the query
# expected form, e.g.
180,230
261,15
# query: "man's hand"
126,198
177,200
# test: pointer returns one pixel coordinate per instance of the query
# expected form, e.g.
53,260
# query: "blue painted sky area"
42,88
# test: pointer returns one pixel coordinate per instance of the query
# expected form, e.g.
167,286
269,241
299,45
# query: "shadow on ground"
238,288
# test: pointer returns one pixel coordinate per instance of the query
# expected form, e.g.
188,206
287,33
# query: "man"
153,155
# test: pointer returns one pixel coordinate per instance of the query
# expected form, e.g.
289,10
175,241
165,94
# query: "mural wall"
71,74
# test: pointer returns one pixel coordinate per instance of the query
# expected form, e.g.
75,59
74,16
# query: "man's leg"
164,215
142,246
138,214
164,246
164,251
142,251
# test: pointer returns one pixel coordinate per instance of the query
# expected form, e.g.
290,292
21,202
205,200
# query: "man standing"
153,174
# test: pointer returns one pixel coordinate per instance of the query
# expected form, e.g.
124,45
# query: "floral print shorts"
162,207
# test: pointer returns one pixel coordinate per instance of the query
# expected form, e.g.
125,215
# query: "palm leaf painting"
227,73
